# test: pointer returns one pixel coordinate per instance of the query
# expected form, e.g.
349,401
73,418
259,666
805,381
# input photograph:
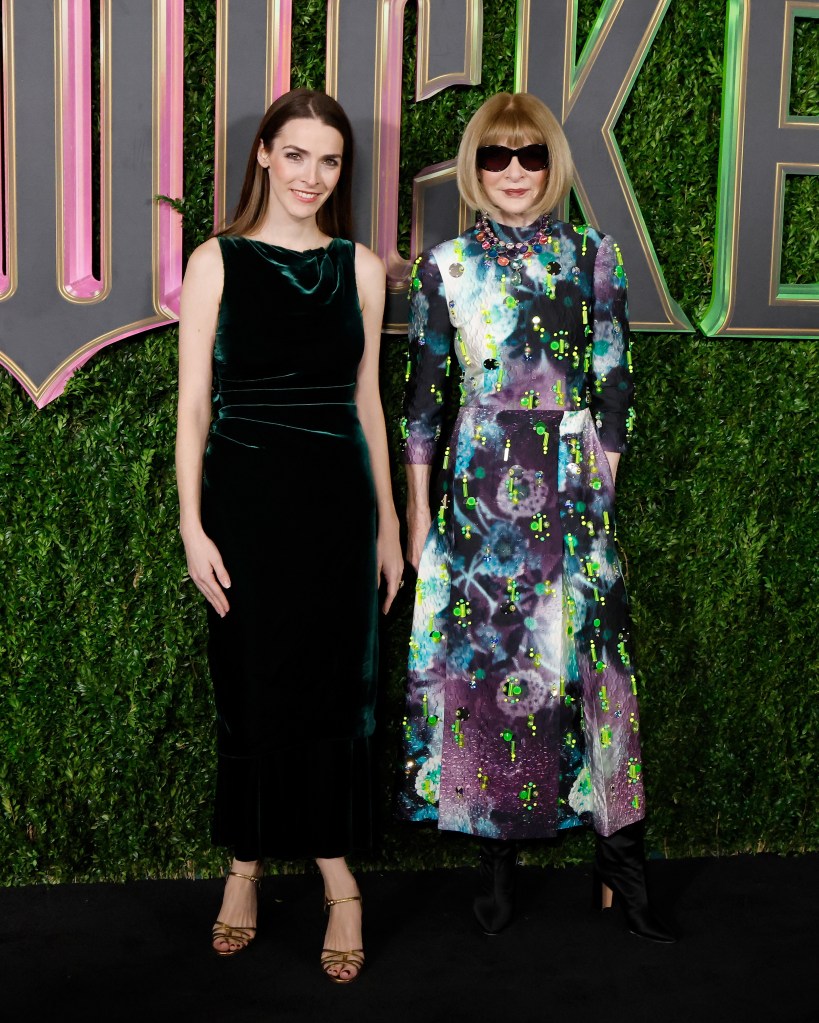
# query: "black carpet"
140,951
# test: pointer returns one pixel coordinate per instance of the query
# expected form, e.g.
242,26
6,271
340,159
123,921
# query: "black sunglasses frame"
534,157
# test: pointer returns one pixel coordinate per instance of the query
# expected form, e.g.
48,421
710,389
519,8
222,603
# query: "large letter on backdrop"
762,143
252,69
588,96
438,212
54,312
365,50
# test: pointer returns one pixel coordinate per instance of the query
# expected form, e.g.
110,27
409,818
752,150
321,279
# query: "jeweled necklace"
511,254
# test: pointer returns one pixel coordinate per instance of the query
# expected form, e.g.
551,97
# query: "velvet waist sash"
258,414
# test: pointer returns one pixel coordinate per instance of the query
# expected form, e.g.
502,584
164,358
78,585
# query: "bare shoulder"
204,277
369,268
204,280
206,259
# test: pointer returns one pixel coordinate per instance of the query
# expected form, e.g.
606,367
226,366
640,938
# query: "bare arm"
371,280
201,293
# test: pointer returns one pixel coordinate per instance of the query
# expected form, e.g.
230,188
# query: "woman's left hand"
390,561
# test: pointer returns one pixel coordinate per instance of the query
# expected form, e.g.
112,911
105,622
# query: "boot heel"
619,864
494,906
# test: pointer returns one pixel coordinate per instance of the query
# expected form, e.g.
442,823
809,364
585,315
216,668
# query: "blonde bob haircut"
514,120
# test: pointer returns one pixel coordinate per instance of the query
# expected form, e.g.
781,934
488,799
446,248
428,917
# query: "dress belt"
256,394
255,416
492,409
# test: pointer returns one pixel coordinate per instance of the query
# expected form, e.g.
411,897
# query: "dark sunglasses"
498,158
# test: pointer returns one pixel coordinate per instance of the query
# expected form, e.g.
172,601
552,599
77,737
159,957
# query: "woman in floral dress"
522,716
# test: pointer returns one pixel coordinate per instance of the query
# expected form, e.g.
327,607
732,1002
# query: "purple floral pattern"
522,714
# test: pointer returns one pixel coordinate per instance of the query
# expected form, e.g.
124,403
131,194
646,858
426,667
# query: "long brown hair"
335,217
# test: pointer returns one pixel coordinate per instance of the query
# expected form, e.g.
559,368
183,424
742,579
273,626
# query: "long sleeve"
612,385
428,361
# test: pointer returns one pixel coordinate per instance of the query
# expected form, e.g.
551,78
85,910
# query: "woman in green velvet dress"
286,513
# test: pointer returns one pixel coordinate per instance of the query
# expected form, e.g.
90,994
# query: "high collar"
515,234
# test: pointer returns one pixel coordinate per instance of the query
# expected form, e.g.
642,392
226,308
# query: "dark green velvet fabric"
288,499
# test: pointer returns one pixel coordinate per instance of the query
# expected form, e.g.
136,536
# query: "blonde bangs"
513,128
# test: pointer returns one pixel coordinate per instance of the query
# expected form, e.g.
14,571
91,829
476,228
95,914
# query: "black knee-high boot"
494,905
619,863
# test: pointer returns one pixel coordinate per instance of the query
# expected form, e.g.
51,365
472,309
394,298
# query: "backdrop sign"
56,309
81,269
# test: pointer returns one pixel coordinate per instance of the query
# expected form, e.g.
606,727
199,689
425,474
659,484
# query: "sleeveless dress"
522,715
288,499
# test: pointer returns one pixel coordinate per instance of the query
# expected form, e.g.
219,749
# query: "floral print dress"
522,714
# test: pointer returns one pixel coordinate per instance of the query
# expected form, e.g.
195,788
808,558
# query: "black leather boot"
619,863
494,905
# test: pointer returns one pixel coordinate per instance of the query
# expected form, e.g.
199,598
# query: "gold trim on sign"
740,144
727,329
273,51
786,66
618,163
10,151
106,150
807,294
569,61
613,149
220,115
331,72
91,347
381,29
158,41
58,156
776,233
474,40
271,12
104,157
470,74
466,215
576,71
522,18
421,183
422,79
636,61
802,294
161,82
793,10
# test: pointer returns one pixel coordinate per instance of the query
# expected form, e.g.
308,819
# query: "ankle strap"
334,902
247,877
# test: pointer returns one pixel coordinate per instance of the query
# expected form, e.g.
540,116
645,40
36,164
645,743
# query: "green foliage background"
106,735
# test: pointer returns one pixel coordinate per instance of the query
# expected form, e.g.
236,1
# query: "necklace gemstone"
511,254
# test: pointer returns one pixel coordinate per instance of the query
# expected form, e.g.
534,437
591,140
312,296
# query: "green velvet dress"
288,499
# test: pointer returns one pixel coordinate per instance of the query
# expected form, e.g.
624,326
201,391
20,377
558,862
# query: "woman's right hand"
417,532
206,568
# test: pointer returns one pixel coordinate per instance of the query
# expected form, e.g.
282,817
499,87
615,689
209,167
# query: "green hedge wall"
106,734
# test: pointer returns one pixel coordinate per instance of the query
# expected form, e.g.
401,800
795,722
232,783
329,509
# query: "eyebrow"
305,152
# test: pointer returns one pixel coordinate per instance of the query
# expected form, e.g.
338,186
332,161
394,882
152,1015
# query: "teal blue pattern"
522,714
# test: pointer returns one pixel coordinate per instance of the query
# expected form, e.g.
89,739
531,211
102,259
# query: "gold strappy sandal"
240,936
331,957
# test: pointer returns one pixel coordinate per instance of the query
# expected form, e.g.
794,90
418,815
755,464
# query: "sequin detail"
522,715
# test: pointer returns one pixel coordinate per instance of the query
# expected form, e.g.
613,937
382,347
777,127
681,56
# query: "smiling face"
303,166
515,191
